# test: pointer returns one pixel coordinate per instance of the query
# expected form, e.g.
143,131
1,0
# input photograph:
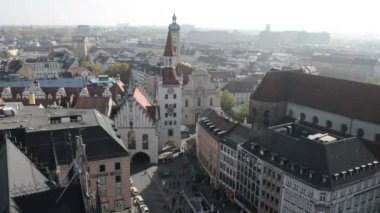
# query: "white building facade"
198,95
136,123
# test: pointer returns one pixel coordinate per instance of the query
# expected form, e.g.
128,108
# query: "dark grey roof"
319,158
71,201
37,133
242,86
237,135
18,176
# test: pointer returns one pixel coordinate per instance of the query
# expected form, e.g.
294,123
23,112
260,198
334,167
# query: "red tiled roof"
348,98
169,46
95,91
185,70
141,99
43,102
98,103
169,77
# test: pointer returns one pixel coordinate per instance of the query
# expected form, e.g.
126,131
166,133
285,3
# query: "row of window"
132,140
170,123
199,102
174,96
343,128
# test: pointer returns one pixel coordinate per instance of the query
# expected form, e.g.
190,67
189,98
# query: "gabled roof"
169,51
141,99
242,86
218,121
18,176
169,77
348,98
99,103
73,83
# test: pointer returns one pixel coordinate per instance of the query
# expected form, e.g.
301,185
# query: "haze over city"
323,15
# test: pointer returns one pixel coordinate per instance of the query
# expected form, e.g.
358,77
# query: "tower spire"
169,52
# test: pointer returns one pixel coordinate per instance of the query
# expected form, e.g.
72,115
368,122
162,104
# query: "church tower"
169,98
174,29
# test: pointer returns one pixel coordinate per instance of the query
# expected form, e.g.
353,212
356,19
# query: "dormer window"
292,167
344,173
336,176
310,174
324,178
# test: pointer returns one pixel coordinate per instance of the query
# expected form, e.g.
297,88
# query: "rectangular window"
102,168
175,96
119,204
170,132
166,115
174,105
117,166
117,178
166,105
175,115
103,180
166,96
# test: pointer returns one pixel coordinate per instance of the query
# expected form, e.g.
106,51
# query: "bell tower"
174,29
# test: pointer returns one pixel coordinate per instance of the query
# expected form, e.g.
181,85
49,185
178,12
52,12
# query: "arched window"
131,140
145,141
302,116
211,102
360,133
199,102
170,61
186,103
328,124
343,128
315,120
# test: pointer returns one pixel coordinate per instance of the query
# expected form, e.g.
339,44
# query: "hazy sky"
316,15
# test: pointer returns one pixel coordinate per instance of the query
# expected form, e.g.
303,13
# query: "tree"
96,69
227,101
243,112
123,69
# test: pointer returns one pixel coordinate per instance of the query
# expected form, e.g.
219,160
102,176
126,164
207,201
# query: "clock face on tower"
170,90
170,109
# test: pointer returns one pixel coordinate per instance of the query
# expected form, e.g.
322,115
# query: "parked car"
184,128
139,199
134,191
144,208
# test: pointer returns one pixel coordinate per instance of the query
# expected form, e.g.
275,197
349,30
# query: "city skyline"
254,15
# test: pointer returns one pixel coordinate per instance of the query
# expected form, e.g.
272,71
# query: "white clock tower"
170,98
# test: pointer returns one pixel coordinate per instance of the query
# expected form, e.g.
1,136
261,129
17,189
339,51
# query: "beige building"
198,95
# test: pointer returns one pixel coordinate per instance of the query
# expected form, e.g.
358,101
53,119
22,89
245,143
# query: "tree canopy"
95,68
227,101
123,69
242,112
